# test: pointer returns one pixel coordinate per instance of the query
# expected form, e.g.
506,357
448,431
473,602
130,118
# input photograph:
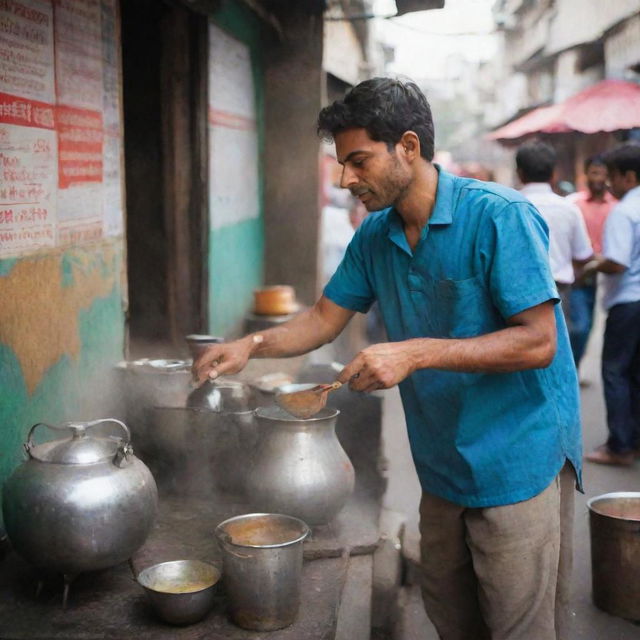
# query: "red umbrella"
609,105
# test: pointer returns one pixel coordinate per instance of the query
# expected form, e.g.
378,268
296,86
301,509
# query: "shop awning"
540,120
609,105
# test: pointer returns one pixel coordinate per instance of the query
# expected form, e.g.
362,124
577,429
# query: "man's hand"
225,357
380,366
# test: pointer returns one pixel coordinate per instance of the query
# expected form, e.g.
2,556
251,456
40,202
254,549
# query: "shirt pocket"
445,308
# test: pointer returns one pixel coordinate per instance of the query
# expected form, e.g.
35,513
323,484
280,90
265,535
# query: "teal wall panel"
236,252
235,271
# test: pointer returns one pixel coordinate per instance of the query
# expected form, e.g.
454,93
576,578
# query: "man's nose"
348,178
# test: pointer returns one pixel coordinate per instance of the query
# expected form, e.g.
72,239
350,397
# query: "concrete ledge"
354,613
387,571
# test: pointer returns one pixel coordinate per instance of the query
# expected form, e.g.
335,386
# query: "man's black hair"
594,160
624,158
536,161
386,109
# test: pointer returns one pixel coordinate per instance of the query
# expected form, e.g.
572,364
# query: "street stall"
98,551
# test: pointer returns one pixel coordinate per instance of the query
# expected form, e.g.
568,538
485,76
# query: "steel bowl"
182,591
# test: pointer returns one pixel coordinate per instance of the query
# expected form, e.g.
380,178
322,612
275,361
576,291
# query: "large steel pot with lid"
79,503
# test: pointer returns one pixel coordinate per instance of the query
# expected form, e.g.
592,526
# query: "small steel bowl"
182,591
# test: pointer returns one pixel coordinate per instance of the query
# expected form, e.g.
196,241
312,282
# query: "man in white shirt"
568,239
620,263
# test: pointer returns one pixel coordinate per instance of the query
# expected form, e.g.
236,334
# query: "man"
595,203
480,352
568,239
620,263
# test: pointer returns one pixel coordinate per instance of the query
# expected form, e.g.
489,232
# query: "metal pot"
150,383
198,452
300,468
614,524
81,503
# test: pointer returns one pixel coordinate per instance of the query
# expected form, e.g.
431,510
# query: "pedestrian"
595,203
569,242
480,351
620,263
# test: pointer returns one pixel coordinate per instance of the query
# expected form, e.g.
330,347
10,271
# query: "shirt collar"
606,198
442,213
632,193
536,187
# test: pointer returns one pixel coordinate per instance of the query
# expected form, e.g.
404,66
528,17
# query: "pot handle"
101,420
29,443
78,428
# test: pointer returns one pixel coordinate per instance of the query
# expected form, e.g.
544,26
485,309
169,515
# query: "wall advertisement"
60,130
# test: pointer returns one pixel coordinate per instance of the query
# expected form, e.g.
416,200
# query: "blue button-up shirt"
477,439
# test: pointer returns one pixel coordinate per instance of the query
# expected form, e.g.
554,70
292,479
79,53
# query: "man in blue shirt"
479,348
621,349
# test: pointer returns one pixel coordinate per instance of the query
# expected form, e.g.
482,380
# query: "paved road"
403,494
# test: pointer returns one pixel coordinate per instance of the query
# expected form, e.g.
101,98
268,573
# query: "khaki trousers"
499,573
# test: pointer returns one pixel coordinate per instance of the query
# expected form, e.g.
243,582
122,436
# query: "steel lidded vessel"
79,503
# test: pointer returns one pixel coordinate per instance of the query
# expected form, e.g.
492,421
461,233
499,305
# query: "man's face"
620,183
373,174
597,179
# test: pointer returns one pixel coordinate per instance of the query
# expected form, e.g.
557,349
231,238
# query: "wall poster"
233,135
78,46
28,145
60,124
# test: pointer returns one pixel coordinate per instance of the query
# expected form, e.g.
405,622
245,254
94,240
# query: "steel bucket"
262,567
614,524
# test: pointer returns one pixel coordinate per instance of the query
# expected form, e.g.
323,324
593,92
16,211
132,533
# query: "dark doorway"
164,89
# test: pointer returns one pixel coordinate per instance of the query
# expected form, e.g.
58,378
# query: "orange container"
277,300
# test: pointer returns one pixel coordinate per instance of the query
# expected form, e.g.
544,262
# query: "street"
403,493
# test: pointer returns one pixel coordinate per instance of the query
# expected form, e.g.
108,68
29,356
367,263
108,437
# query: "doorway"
165,157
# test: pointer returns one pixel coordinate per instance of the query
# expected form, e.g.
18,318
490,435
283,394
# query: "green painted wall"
236,252
57,354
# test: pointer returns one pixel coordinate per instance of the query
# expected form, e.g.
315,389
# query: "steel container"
262,568
200,453
614,523
81,503
149,383
299,466
182,591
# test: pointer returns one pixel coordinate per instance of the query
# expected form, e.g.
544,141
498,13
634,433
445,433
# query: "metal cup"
262,567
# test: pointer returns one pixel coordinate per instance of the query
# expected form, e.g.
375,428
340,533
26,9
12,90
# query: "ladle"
307,402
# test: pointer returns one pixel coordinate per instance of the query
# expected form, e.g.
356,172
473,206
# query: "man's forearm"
303,333
511,349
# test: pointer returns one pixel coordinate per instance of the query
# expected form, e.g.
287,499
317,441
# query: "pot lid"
79,449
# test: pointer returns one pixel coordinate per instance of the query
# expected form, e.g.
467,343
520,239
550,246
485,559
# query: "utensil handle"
321,387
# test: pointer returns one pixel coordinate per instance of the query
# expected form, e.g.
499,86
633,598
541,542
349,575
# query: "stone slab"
110,604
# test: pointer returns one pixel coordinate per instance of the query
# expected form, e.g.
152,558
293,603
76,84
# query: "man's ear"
410,144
